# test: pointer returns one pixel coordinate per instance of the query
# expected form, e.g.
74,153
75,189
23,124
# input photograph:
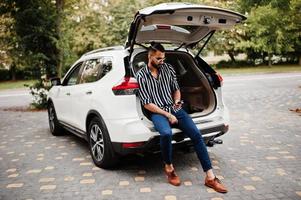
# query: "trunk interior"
199,97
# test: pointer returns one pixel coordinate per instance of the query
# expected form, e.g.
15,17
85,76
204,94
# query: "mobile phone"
180,102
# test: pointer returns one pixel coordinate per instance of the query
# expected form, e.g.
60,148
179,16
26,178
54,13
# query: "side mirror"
55,81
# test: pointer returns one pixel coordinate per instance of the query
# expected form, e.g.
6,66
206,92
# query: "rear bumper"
179,139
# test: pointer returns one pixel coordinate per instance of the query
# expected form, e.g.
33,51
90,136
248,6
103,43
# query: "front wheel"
100,144
54,125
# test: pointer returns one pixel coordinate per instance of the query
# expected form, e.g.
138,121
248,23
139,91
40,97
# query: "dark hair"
156,47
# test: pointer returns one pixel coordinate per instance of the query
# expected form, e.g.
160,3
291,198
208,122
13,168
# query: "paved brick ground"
260,157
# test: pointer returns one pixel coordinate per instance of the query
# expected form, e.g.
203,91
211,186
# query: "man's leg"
162,125
189,128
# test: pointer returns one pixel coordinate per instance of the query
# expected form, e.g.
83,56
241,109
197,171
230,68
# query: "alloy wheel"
51,118
96,142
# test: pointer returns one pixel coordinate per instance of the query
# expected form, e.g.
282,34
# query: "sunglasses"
160,59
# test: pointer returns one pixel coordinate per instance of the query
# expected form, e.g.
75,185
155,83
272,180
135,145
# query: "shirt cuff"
145,101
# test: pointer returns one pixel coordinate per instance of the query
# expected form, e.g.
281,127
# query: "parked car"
97,98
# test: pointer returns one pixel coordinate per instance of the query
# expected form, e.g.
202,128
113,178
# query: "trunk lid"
179,23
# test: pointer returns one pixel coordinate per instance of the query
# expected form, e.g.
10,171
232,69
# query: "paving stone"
68,178
139,178
107,192
256,178
13,175
48,187
45,180
187,183
87,174
78,159
269,153
210,190
34,171
85,163
124,183
49,168
194,169
289,157
145,190
271,158
249,187
87,181
11,170
15,185
170,197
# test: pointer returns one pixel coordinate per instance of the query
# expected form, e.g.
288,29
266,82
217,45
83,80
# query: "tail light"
163,27
220,78
127,86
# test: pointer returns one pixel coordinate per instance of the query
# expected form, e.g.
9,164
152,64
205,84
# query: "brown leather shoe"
216,184
173,178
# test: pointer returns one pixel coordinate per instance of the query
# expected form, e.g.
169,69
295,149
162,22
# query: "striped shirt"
158,91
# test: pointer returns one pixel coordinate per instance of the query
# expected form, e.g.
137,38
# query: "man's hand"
172,119
178,104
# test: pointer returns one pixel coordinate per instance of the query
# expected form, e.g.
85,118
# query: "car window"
105,67
95,69
72,78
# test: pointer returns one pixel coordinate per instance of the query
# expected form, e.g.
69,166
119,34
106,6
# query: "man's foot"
172,177
216,184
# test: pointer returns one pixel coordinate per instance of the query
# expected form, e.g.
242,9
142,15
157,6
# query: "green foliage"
48,36
30,36
119,16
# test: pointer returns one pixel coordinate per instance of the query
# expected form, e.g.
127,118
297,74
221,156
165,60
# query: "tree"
119,15
293,28
59,4
33,34
272,28
11,53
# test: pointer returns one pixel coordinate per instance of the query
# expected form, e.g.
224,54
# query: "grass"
5,85
260,69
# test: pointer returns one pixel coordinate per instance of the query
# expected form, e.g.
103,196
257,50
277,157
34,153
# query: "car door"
63,101
93,70
182,24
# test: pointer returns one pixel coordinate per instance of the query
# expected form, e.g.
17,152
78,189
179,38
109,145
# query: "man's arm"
177,96
155,109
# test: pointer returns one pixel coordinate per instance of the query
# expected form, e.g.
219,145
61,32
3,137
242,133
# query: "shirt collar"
149,72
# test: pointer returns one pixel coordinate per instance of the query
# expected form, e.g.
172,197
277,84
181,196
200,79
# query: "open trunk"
197,93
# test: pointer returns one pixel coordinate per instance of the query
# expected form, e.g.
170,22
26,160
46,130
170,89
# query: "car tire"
54,125
100,145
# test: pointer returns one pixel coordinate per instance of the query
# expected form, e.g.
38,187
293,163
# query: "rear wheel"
54,125
100,144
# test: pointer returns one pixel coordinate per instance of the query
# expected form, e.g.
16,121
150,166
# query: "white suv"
97,99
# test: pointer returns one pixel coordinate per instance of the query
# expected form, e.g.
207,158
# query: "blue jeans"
186,124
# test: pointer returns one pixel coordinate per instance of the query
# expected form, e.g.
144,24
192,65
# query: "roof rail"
104,49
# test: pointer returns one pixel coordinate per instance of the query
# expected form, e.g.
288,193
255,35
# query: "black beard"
156,65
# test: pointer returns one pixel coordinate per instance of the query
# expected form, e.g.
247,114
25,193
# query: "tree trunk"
299,59
231,54
270,59
59,8
13,72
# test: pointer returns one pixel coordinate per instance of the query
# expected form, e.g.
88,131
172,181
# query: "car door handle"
68,94
89,92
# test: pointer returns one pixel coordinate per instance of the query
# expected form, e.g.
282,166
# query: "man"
160,94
